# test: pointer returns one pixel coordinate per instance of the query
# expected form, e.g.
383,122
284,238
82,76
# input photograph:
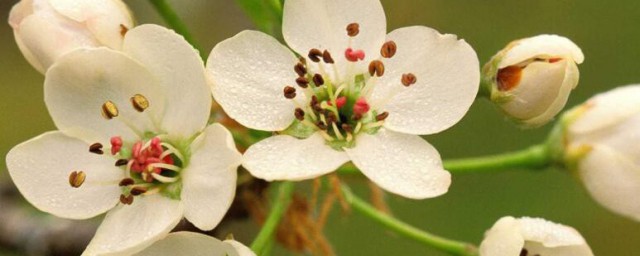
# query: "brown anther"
382,116
299,113
388,49
318,108
353,29
136,191
76,178
96,148
315,55
347,128
376,68
321,125
123,30
326,57
303,60
109,110
126,182
318,80
300,69
128,200
289,92
122,162
409,79
314,101
356,117
302,82
139,102
331,118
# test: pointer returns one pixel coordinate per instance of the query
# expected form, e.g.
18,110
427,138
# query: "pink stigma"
143,157
116,144
361,107
340,101
354,56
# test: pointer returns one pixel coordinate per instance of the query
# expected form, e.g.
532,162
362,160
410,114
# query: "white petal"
613,180
284,157
128,229
321,24
548,233
240,248
400,163
448,77
181,74
40,168
209,182
542,45
607,109
249,72
82,81
19,11
503,239
188,243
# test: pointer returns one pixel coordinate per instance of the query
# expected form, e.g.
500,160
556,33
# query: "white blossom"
194,244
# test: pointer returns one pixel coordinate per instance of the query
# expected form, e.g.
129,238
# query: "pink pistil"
116,144
340,101
354,56
144,157
361,107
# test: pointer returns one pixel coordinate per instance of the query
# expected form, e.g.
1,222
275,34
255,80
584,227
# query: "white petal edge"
403,164
40,168
240,248
607,109
180,72
128,229
284,157
541,45
547,238
503,239
447,71
189,243
209,182
249,72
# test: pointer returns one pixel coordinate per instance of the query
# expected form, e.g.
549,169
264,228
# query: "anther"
300,69
326,57
376,68
314,101
409,79
123,30
302,82
347,128
331,118
122,162
356,117
128,200
318,80
116,144
289,92
96,148
76,179
524,252
353,29
299,113
353,56
314,55
321,125
109,110
126,182
382,116
361,106
303,60
340,101
139,102
388,49
136,191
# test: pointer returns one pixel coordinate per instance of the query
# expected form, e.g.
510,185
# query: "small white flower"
532,237
601,144
531,78
133,141
188,243
46,29
360,95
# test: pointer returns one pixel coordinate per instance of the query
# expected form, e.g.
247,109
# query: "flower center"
339,109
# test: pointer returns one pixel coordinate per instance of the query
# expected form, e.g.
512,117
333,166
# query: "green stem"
443,244
173,20
280,204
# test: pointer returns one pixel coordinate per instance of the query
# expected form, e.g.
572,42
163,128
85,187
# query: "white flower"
187,243
360,96
531,78
601,144
133,141
46,29
532,237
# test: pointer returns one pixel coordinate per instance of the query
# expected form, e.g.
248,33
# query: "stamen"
337,131
96,148
382,116
126,182
321,125
349,137
109,110
326,57
315,55
171,150
165,166
361,106
123,30
302,82
326,136
116,144
289,92
376,67
136,191
358,127
347,128
139,102
318,80
353,29
300,69
509,77
354,56
299,113
356,117
164,179
128,200
77,178
409,79
122,162
302,60
340,101
388,49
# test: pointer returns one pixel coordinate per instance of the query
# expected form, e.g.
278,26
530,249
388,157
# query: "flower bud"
531,79
46,29
601,144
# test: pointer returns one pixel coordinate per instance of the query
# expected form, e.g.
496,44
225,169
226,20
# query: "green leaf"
266,14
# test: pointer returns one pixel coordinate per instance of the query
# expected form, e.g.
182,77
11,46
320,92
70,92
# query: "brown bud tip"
376,67
315,55
122,162
302,82
509,77
299,113
388,49
409,79
326,57
109,110
128,200
123,30
96,148
76,179
347,128
318,80
382,116
353,29
136,191
321,125
126,182
300,69
139,102
289,92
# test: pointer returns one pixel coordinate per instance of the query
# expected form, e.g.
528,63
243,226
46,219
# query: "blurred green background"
607,31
